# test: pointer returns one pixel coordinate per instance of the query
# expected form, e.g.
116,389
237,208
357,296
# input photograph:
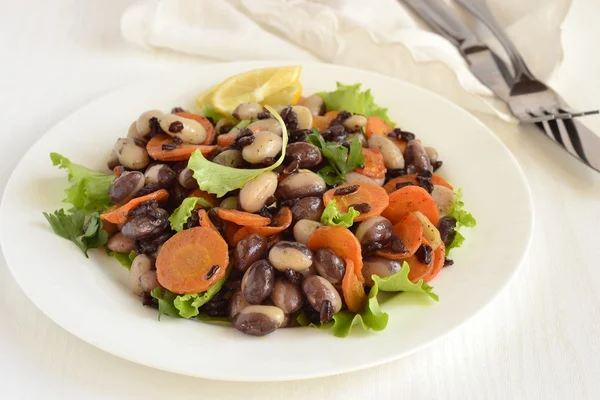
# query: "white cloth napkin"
378,35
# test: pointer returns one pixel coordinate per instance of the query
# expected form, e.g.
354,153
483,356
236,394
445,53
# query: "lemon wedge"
204,98
257,86
287,96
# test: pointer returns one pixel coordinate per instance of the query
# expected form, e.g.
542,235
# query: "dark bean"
289,118
175,127
437,165
249,250
169,146
258,282
416,156
345,190
177,110
317,290
446,226
398,245
395,133
177,194
149,301
326,313
287,296
372,247
425,183
160,174
258,320
155,128
293,255
374,230
293,277
144,226
448,262
329,265
187,180
425,174
292,167
424,254
299,135
307,154
362,208
125,187
380,266
143,208
217,306
308,208
302,184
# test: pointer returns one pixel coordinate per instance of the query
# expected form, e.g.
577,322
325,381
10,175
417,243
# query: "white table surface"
538,340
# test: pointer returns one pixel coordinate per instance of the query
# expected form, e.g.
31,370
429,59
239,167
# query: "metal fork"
530,100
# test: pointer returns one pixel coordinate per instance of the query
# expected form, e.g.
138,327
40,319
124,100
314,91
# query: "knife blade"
483,62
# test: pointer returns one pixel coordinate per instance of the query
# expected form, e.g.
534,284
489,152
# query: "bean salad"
272,217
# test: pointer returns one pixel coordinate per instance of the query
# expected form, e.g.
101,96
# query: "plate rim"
241,65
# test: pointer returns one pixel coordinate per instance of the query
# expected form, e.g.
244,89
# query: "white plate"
90,297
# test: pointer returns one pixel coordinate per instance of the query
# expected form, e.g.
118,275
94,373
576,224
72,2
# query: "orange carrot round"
352,288
373,166
342,242
181,152
410,230
409,199
226,139
375,196
377,126
208,127
192,261
118,214
242,218
204,220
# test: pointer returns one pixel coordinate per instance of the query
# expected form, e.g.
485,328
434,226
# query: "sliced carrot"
331,115
377,126
211,198
226,139
118,214
192,261
181,152
208,127
352,288
438,180
242,218
418,270
373,167
401,144
109,227
321,122
342,242
118,170
375,196
230,229
409,199
273,239
204,220
439,257
410,230
279,223
412,178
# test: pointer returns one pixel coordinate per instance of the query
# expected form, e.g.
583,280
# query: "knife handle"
444,20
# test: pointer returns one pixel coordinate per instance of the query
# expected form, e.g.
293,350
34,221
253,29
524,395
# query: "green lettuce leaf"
399,282
125,259
184,305
463,218
219,179
89,189
165,299
350,98
184,211
332,216
340,161
371,317
212,113
188,304
82,229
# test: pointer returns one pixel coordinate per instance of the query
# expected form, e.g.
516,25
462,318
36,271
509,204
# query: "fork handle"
480,10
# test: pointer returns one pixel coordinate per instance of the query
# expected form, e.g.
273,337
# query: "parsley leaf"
333,217
399,282
340,161
83,230
125,259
